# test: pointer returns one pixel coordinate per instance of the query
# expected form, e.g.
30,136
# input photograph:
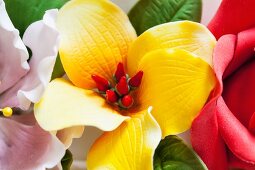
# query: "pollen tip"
136,80
111,96
102,83
127,101
7,111
122,87
119,72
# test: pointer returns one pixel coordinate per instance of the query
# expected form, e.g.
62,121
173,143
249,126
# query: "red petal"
234,162
206,139
223,54
252,123
237,137
233,16
205,136
239,92
244,50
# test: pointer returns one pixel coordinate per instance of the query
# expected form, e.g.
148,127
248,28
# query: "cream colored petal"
67,135
64,105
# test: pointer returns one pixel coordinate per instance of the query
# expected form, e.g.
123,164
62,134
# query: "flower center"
239,93
119,93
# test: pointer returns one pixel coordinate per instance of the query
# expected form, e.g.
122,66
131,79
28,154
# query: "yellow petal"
95,37
176,84
186,35
67,135
131,146
64,105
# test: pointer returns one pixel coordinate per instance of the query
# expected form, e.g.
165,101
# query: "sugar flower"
116,77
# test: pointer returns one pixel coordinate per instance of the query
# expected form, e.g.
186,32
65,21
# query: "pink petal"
233,16
237,137
205,136
43,39
27,147
13,53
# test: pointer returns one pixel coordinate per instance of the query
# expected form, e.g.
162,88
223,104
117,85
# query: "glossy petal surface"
130,146
95,37
185,35
63,105
176,84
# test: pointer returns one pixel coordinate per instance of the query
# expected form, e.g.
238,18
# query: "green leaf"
67,160
173,154
58,70
148,13
25,12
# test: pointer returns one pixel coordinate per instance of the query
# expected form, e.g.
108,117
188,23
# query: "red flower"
224,132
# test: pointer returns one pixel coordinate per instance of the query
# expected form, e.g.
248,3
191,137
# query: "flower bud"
122,87
136,80
102,83
111,96
120,72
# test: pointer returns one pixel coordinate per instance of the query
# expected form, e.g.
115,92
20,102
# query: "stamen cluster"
119,93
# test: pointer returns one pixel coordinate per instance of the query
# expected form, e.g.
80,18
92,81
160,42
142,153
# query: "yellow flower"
175,59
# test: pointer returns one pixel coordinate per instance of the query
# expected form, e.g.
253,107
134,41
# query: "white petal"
13,53
42,38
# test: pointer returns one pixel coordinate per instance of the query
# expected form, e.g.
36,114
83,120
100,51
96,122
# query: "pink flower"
24,145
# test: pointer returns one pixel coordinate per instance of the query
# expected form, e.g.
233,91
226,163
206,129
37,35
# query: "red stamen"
127,101
102,83
136,80
122,87
120,72
111,96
